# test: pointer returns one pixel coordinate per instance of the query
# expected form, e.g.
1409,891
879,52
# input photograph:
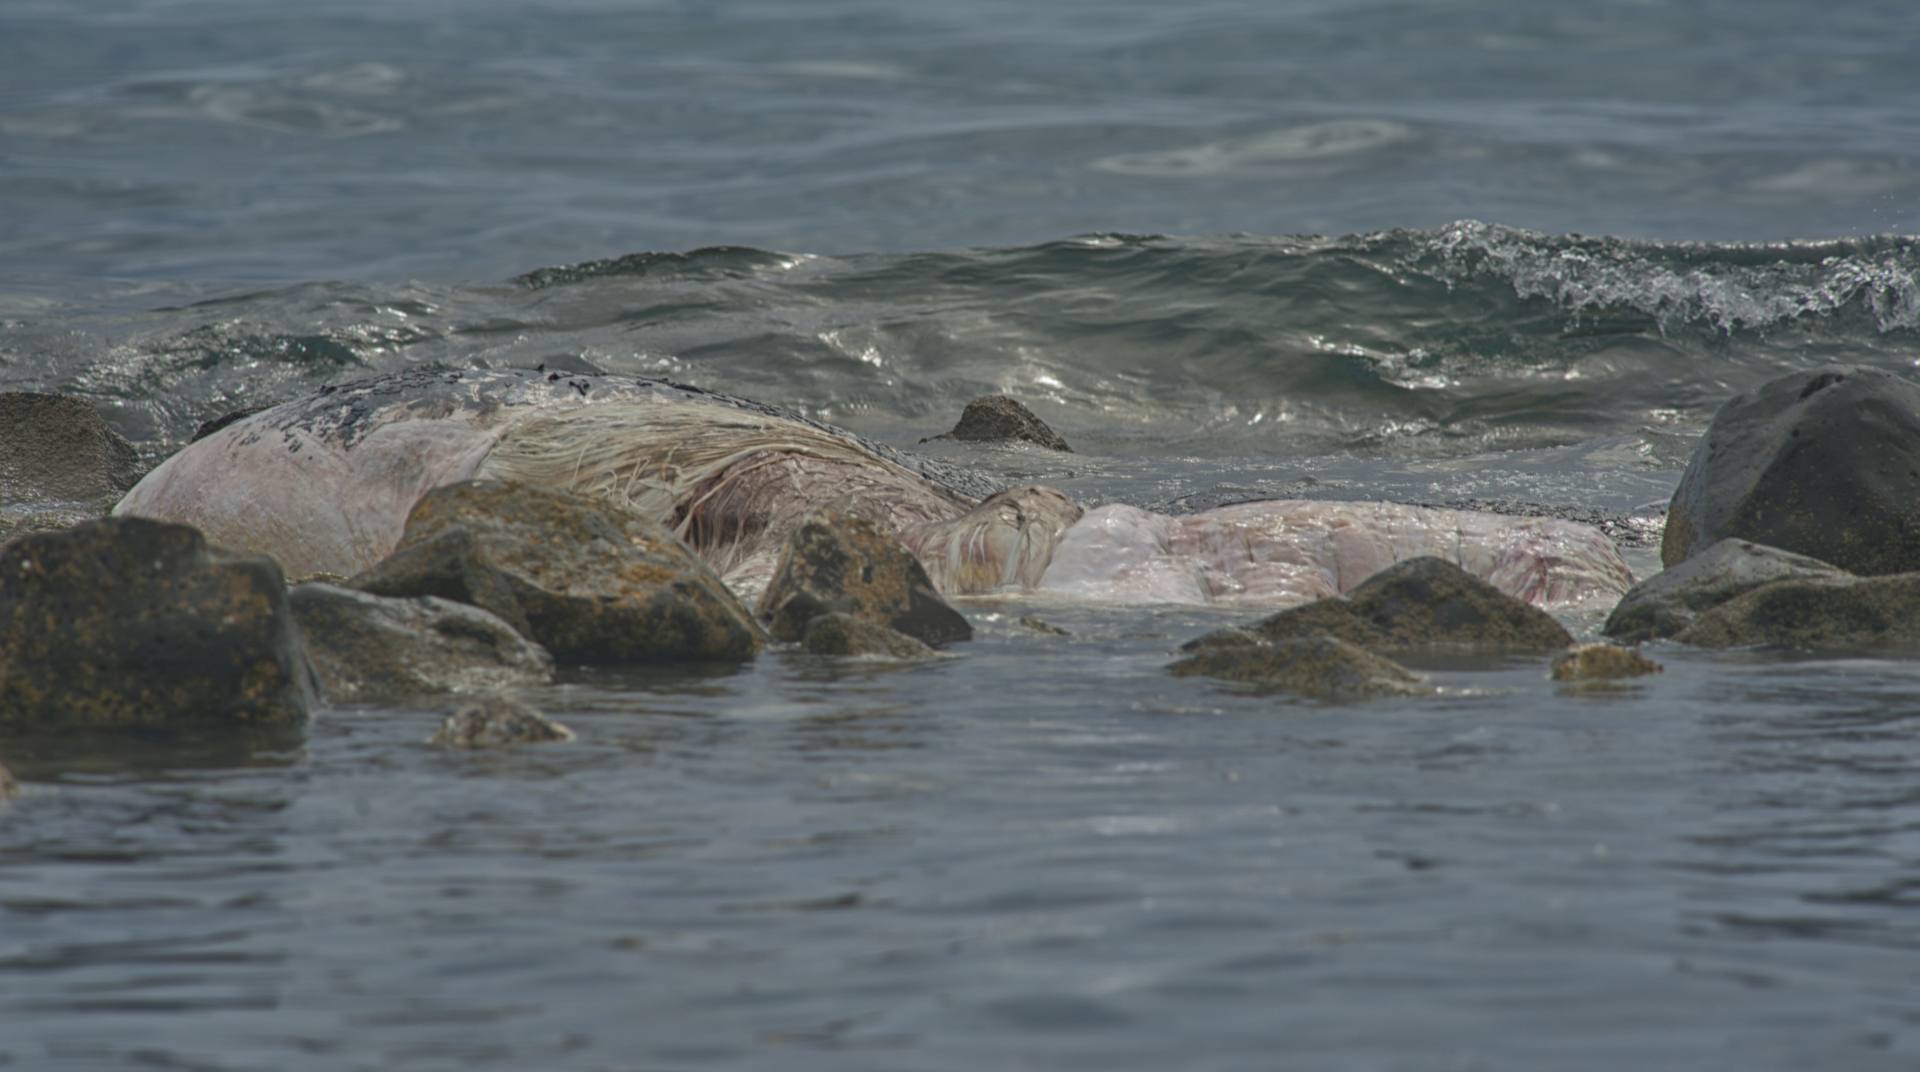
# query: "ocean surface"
1439,252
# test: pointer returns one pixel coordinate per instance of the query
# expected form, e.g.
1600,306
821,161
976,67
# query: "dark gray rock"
55,449
495,722
1000,419
1601,662
1824,463
589,584
1667,602
1318,667
1415,603
125,621
375,649
844,634
837,562
1816,614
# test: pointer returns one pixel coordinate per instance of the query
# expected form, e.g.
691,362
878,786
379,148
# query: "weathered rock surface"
1602,662
998,418
375,649
57,449
1824,462
126,621
1319,667
1669,601
589,584
1816,614
844,634
495,722
1415,603
836,562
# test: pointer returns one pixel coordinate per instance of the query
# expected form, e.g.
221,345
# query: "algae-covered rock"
844,634
1669,601
1816,614
837,562
1601,662
1334,617
998,418
375,649
1319,667
495,722
588,583
1823,462
126,621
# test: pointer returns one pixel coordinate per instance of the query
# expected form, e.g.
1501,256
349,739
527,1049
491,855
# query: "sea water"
1448,252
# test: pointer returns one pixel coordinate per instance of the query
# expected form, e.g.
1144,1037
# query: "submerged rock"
589,584
1420,602
998,418
1816,614
1319,667
837,562
1669,601
126,621
1602,662
495,722
373,649
1823,462
844,634
1042,626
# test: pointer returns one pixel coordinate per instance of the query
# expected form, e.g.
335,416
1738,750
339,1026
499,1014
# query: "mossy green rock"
133,622
1816,615
1669,601
839,563
1824,462
844,634
588,583
1319,667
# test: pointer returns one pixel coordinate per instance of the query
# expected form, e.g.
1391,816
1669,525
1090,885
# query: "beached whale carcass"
325,483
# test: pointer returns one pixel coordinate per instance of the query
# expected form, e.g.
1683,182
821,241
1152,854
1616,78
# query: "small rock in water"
124,621
1040,626
369,648
1319,667
837,562
1415,603
57,449
998,418
496,722
844,634
1816,614
588,583
1823,462
1601,662
1668,602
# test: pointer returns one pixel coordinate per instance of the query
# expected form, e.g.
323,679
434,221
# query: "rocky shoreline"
123,622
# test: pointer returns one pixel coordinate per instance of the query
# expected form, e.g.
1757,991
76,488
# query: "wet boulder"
376,649
131,622
588,583
1415,603
1669,601
1816,614
844,634
497,722
1000,419
1316,667
1601,662
1824,463
837,562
